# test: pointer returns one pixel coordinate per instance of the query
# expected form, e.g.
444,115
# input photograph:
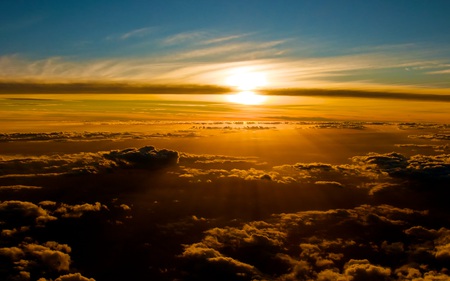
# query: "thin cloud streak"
445,71
137,33
223,39
183,38
359,94
200,38
224,51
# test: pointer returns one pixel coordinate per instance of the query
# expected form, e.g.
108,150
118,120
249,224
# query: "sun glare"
247,97
246,82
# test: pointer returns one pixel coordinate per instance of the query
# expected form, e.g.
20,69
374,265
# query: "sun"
245,80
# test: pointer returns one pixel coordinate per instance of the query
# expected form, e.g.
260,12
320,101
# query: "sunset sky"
224,140
388,45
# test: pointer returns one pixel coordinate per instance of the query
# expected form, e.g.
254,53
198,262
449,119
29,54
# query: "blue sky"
380,44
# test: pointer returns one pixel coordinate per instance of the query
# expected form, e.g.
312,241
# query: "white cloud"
184,37
223,39
137,33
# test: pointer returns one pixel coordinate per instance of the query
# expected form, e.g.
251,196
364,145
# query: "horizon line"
14,87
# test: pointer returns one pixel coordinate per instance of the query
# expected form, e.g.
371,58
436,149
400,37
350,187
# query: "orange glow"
247,97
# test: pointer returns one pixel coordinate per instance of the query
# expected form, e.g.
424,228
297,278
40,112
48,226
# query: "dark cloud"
416,167
349,175
429,167
100,88
407,272
146,158
235,126
314,166
110,88
374,172
363,270
17,213
237,217
388,162
438,136
358,94
90,136
437,148
189,159
340,125
22,223
206,254
76,211
39,259
250,174
364,243
15,231
422,126
50,165
51,254
20,217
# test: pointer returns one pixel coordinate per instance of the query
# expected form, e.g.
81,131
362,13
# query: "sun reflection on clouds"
247,98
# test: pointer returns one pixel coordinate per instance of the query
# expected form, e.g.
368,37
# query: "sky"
224,140
397,46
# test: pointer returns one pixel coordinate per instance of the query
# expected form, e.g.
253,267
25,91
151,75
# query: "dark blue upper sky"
225,31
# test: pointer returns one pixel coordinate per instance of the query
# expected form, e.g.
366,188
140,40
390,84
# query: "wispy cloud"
444,71
224,39
136,33
183,37
200,57
195,39
221,52
282,73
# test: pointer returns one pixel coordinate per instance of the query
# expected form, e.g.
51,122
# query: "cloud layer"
133,158
146,213
364,243
191,58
